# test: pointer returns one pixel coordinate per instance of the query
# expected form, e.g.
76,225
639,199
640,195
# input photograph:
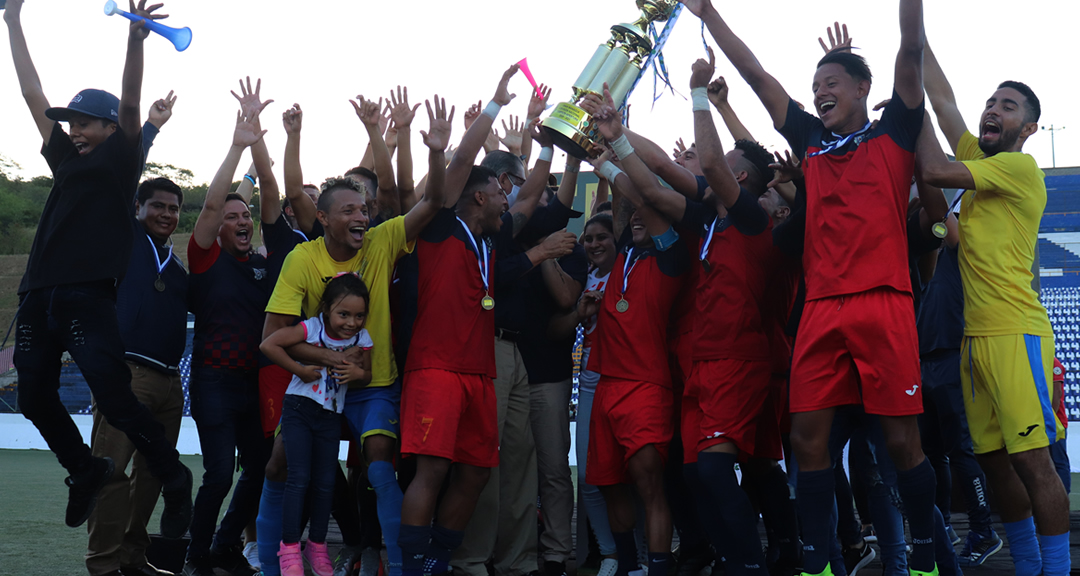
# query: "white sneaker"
608,567
251,552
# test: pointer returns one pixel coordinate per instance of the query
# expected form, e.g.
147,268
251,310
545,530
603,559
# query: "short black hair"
500,162
479,177
363,173
759,158
234,196
1034,108
342,285
148,187
604,220
332,185
853,64
603,207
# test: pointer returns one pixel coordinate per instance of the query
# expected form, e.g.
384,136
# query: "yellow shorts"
1007,388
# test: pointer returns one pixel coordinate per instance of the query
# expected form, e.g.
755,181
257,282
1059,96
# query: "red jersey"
782,287
632,344
731,287
1059,385
857,189
452,331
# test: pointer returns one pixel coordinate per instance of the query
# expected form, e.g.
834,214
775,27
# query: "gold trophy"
617,63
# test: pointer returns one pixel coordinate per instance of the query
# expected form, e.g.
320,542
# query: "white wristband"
622,147
700,97
546,154
610,171
492,109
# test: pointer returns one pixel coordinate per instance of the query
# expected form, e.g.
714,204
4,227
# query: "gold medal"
939,229
159,284
622,305
487,303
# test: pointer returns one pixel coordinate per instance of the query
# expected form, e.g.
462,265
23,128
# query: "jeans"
81,319
947,441
595,506
225,407
312,437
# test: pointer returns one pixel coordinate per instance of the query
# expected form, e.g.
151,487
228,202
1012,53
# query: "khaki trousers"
551,430
503,527
117,527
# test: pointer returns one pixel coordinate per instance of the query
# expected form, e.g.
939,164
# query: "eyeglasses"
515,179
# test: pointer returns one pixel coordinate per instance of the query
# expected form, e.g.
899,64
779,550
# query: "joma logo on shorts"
1027,432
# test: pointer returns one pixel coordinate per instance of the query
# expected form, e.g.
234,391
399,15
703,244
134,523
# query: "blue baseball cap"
96,103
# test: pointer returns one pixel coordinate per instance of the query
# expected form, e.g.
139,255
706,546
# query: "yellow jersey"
999,229
309,267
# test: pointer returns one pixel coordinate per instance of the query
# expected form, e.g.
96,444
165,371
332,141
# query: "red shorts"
771,423
450,415
627,416
690,425
731,396
273,381
858,349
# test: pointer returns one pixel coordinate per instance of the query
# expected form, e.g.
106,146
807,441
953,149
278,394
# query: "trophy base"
569,127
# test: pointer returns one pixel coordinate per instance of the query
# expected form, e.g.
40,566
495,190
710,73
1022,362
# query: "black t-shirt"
941,316
84,234
548,360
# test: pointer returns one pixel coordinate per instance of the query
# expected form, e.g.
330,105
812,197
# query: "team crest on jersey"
260,273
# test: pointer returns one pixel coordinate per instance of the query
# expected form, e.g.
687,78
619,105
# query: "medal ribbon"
157,259
628,266
481,257
840,142
708,240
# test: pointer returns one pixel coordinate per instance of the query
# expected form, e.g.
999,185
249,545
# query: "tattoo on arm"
520,220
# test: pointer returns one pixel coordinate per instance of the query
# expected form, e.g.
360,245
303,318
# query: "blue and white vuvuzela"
180,37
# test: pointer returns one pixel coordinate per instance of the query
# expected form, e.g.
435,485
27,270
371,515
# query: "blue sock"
717,472
268,526
947,562
1024,547
658,563
382,478
626,549
815,498
443,543
918,490
414,542
1055,554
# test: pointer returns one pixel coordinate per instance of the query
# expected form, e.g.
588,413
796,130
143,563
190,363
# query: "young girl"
310,416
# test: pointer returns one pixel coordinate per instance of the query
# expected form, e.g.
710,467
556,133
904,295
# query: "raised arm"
212,215
679,178
437,138
537,105
401,114
568,186
710,150
302,206
943,100
638,184
933,167
768,89
534,185
908,82
603,187
369,113
130,116
475,135
251,103
24,69
718,95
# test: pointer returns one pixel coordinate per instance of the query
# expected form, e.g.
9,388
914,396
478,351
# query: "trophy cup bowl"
617,63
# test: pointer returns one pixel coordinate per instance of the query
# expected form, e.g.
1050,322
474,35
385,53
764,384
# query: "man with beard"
1007,356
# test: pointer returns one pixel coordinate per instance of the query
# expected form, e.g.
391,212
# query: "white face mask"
512,196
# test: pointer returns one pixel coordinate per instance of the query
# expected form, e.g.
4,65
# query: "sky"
322,54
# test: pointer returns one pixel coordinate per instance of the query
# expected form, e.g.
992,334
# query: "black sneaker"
978,548
856,559
553,568
83,491
694,558
232,560
176,515
198,567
